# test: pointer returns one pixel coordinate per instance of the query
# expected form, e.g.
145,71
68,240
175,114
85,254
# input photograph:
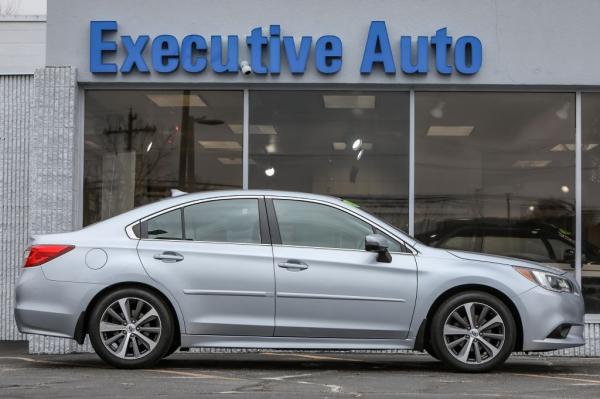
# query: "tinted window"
463,243
562,248
234,220
518,247
316,225
166,226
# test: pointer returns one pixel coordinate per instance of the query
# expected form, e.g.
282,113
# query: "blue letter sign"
273,53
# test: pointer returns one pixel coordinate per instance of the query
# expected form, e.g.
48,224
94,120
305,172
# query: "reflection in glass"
352,145
590,192
494,173
308,224
233,220
140,145
166,226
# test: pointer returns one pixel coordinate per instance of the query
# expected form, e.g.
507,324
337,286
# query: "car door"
215,257
327,285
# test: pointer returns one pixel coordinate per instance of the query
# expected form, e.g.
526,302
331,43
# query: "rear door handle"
293,265
169,257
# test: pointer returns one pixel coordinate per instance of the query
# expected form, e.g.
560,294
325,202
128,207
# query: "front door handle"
293,265
169,257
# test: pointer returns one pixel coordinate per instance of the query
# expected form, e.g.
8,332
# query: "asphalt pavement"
293,375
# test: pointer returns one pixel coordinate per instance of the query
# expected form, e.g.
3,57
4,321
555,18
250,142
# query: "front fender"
437,276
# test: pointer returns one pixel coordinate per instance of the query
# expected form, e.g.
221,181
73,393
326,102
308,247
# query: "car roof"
141,212
168,202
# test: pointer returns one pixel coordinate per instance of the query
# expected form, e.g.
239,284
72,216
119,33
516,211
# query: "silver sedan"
282,270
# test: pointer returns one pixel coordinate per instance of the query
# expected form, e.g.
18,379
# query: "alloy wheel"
130,328
474,333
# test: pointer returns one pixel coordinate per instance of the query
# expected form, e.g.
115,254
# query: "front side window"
233,220
316,225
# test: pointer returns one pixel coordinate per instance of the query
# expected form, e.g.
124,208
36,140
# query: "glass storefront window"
140,145
352,145
590,204
495,173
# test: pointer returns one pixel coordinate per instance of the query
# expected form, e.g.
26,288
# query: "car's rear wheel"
131,328
473,331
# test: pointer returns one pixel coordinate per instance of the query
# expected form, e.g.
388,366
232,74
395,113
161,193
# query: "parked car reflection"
530,240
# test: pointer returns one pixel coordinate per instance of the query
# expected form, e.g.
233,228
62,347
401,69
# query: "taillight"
40,254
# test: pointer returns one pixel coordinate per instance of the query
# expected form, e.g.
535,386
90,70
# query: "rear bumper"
49,307
542,311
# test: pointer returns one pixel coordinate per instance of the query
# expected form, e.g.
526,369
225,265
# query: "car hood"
505,260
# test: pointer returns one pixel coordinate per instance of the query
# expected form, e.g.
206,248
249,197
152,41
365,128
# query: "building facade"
473,125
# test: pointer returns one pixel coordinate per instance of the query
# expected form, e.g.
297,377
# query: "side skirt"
220,341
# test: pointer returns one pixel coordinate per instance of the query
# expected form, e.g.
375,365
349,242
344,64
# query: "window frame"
276,235
265,235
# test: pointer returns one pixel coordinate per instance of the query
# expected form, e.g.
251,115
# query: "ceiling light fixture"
254,129
339,146
563,112
230,161
149,147
176,100
348,101
531,164
220,145
360,154
450,131
438,111
565,189
571,147
270,172
357,144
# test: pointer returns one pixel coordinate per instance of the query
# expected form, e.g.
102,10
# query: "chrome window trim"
194,202
412,250
335,249
129,231
205,242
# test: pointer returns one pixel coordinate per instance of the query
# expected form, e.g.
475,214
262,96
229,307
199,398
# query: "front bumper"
49,307
542,311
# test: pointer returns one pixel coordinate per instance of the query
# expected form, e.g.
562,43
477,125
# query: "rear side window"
166,226
232,220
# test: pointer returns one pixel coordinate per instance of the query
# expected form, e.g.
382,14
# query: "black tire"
430,351
163,335
480,300
174,346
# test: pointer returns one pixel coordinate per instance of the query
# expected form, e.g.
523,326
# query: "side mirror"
378,243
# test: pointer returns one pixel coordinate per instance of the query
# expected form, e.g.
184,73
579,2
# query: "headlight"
549,281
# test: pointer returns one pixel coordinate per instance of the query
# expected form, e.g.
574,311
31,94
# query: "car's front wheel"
473,331
131,328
